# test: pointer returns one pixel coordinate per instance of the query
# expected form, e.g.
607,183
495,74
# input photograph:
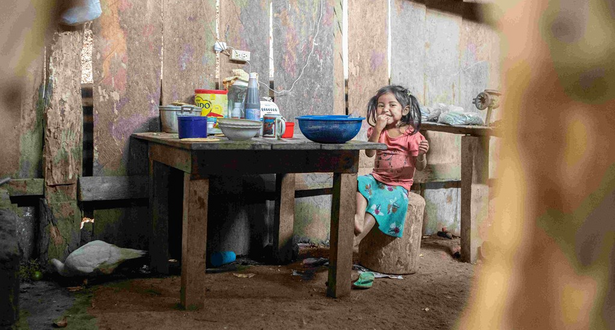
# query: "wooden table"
199,160
474,177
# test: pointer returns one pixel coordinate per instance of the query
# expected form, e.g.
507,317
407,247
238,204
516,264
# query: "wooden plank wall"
310,76
242,223
309,80
126,69
126,55
367,66
61,215
443,58
188,61
244,25
21,127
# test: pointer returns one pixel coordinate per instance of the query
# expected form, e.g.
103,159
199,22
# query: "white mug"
274,126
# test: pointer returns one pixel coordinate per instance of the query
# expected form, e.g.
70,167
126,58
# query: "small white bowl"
239,129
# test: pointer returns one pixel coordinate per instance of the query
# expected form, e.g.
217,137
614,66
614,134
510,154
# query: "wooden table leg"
194,241
343,206
284,217
159,217
474,193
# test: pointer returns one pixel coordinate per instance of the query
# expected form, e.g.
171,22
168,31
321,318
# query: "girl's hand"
381,122
423,147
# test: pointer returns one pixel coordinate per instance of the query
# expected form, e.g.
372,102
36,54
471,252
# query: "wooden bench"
390,255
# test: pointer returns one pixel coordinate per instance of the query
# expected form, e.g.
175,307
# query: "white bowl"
239,129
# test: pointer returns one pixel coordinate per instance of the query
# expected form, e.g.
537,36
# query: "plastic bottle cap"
237,104
253,75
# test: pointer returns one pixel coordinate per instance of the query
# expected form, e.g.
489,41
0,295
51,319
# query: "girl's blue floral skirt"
388,204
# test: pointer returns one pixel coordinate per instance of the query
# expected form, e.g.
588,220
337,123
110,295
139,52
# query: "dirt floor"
249,296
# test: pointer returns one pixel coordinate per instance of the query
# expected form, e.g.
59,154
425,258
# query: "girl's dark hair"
405,98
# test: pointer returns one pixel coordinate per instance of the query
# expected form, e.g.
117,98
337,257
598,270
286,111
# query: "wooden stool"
390,255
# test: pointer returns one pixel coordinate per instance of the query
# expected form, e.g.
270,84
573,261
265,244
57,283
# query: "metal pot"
169,113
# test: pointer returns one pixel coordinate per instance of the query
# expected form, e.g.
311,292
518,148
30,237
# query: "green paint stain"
31,143
22,323
107,223
59,196
77,316
121,171
68,219
69,152
26,187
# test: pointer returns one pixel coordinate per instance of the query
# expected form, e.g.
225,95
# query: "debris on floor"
362,269
444,233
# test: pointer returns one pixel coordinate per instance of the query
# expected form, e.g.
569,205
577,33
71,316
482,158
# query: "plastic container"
169,114
218,259
213,102
290,130
330,129
237,111
211,122
192,127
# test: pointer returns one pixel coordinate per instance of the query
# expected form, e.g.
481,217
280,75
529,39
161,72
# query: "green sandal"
365,281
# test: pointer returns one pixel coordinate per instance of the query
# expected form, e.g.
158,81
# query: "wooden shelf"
466,130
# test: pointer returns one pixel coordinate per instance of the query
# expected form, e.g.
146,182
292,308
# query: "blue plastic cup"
218,259
192,127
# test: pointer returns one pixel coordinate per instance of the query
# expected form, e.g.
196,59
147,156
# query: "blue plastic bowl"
330,129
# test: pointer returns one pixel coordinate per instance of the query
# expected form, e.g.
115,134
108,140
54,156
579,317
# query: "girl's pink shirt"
395,166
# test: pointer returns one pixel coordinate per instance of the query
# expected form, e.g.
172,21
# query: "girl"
382,197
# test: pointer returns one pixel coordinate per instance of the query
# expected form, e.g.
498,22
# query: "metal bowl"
239,129
330,129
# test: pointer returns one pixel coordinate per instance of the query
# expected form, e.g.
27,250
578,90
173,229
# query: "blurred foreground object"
553,226
80,11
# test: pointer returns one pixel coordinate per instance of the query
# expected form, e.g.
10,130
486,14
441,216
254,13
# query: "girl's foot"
355,247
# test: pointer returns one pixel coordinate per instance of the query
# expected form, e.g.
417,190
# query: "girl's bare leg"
359,217
370,221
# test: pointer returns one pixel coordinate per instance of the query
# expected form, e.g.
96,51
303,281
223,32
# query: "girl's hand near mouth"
382,122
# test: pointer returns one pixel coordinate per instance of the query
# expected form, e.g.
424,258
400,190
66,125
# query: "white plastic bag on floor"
80,11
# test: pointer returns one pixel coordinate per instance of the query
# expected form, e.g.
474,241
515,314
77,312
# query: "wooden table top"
298,142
